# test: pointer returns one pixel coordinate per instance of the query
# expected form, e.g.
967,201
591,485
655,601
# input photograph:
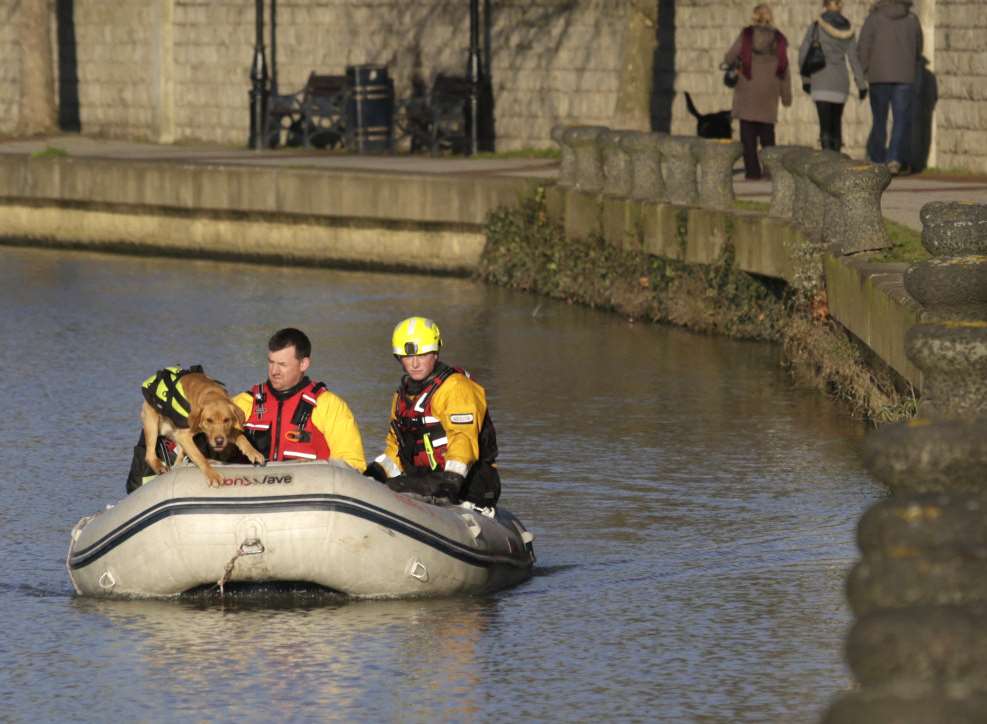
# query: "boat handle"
418,570
106,581
251,547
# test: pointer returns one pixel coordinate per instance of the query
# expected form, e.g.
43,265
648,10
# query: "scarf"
747,52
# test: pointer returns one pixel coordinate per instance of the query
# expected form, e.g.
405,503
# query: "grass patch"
50,152
907,245
745,205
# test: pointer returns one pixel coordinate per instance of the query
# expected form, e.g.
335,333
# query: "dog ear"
241,416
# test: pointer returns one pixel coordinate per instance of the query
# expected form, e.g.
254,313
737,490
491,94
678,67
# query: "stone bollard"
584,142
953,284
716,159
616,165
909,704
782,182
953,360
902,578
927,521
678,165
920,588
646,179
920,456
809,201
567,165
920,645
853,220
951,228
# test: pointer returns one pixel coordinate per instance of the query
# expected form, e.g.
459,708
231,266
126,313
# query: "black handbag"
731,74
815,59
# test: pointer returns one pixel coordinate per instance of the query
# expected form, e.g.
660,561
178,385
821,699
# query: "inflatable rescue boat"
318,523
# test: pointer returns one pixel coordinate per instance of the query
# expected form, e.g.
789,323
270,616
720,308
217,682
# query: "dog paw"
156,465
213,476
257,459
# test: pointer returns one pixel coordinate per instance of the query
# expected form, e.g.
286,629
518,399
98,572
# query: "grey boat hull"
320,523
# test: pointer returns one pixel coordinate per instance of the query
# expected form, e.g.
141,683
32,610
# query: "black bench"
437,121
313,116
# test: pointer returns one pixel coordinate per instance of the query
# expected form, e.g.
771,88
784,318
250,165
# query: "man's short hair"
291,337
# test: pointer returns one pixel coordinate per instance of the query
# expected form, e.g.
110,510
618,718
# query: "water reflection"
326,650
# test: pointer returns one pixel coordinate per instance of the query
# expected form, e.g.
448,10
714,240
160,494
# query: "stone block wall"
961,68
115,45
10,68
178,70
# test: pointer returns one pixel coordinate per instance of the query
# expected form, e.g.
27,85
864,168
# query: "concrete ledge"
273,190
870,300
761,245
274,239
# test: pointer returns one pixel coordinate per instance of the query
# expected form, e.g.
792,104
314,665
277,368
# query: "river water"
694,512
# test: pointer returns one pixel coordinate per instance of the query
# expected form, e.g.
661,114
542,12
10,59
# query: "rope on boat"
250,547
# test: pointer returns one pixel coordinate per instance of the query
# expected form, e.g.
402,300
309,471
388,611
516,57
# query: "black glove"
376,471
807,86
444,484
863,94
437,484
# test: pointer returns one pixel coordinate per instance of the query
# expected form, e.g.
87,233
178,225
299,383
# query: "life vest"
282,429
422,441
164,392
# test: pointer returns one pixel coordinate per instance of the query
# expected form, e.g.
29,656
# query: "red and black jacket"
280,423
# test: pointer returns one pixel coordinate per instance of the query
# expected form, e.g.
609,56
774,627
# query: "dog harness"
164,392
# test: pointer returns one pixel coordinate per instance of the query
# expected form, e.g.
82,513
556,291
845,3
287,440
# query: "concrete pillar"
678,165
782,183
645,157
567,166
617,173
584,141
716,158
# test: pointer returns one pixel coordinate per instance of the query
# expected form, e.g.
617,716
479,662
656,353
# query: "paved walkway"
901,203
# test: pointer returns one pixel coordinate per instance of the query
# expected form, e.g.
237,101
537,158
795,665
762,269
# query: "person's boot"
824,141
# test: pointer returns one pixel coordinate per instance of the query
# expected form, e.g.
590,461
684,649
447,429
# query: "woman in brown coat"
761,52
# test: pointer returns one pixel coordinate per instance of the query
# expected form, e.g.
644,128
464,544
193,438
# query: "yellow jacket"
460,397
331,417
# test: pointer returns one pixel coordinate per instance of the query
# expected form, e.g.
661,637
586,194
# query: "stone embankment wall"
672,196
178,70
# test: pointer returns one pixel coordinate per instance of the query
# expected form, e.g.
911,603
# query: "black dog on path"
710,125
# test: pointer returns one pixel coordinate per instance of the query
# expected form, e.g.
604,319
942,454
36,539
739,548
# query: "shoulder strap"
307,403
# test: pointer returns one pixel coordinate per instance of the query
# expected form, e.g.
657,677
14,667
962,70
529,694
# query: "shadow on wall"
663,75
926,95
68,68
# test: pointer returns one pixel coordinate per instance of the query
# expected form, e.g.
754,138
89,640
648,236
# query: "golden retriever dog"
211,411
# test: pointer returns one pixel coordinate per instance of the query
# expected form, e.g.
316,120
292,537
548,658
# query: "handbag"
731,74
815,59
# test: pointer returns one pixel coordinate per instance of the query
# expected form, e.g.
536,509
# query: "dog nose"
220,441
